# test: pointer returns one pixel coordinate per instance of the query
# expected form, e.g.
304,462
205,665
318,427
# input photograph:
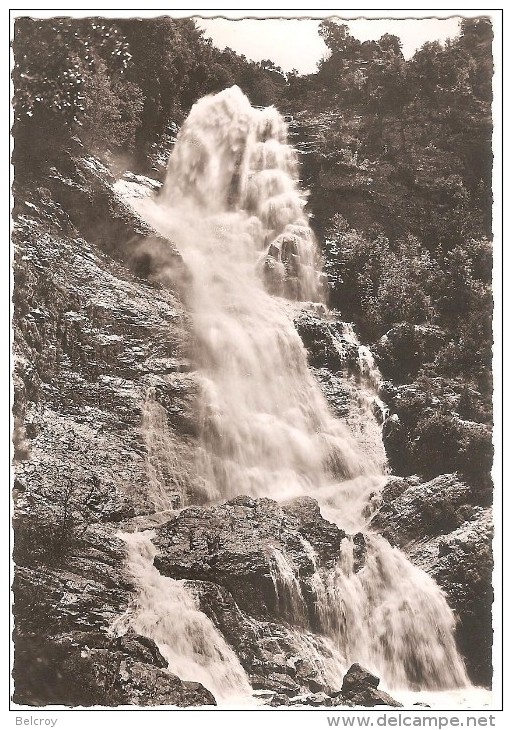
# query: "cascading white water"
290,601
266,428
166,612
232,204
165,490
391,617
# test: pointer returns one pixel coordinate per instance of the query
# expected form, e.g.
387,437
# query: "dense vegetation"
121,85
397,154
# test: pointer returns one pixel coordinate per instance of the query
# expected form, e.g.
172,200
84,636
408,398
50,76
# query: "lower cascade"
232,204
391,617
166,612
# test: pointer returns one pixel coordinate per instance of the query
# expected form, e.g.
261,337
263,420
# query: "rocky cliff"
104,430
105,435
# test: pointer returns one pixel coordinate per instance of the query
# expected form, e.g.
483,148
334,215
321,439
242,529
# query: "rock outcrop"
461,562
360,687
240,546
412,510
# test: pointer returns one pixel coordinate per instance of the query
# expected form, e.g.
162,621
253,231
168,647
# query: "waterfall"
391,617
165,489
167,613
290,601
232,204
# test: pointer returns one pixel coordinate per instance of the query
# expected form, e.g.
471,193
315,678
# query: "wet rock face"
65,651
271,653
105,433
96,209
232,544
303,515
346,373
442,531
326,345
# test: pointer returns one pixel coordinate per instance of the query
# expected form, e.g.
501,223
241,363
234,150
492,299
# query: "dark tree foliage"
118,85
401,194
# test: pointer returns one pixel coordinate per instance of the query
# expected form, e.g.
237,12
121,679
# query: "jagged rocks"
65,607
360,688
92,340
80,590
357,679
87,364
99,212
238,545
346,374
89,669
279,700
141,649
411,510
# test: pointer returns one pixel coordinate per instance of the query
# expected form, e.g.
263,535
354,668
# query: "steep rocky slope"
103,431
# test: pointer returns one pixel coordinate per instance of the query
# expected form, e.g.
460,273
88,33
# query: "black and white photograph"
255,454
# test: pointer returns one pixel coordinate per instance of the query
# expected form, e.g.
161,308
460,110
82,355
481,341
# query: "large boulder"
360,688
357,679
243,545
